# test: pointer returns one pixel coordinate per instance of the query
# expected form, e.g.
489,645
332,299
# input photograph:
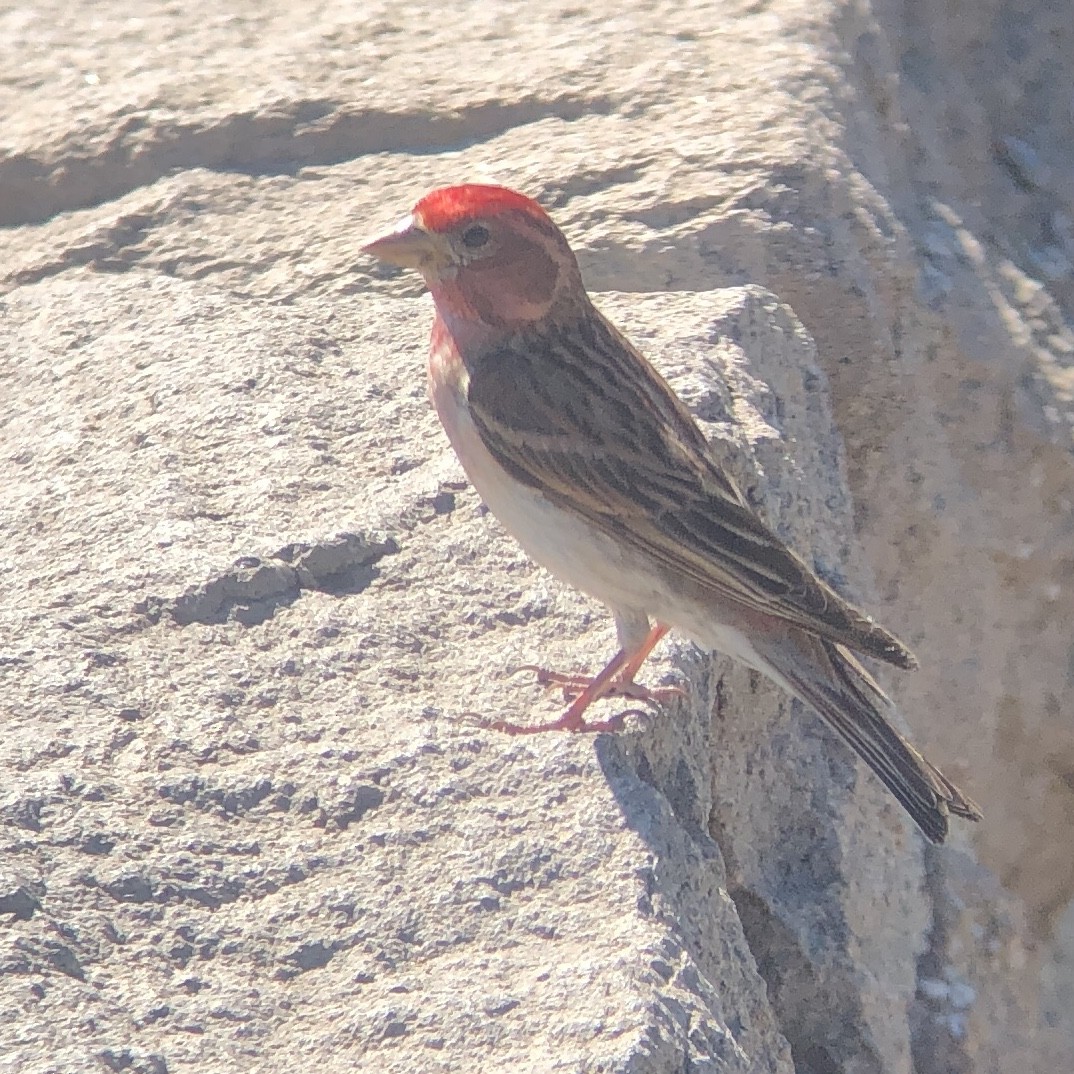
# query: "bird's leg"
623,685
615,680
571,720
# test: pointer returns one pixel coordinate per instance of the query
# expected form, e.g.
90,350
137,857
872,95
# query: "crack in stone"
37,185
252,590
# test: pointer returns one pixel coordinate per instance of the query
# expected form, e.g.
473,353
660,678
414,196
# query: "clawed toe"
567,722
571,685
660,695
575,685
615,680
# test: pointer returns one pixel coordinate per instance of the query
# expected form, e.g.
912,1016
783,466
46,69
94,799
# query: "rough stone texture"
250,818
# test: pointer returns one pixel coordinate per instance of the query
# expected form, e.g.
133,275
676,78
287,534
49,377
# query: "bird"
587,458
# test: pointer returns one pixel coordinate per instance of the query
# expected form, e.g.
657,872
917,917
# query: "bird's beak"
409,245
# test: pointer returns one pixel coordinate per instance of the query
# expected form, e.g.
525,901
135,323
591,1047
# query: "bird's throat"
448,377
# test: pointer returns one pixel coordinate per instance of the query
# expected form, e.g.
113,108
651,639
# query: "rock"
253,607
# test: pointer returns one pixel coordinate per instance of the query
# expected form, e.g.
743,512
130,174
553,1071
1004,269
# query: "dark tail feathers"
848,697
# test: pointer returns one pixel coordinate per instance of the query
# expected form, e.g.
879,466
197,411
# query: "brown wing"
580,415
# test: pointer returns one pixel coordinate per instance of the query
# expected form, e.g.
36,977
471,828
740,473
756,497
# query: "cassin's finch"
591,462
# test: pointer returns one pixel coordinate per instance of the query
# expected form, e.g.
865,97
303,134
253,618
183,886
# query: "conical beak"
409,245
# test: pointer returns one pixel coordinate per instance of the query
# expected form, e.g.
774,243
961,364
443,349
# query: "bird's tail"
829,679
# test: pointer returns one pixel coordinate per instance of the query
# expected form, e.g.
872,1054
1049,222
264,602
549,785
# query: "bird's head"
488,255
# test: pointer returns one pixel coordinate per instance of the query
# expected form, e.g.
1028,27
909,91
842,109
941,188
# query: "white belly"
574,551
570,548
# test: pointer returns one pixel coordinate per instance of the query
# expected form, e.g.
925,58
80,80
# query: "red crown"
450,206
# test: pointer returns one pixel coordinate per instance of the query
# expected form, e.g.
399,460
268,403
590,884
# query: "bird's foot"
571,685
569,721
616,680
574,686
647,695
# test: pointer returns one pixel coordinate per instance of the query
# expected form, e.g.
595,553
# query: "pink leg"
633,665
617,679
624,684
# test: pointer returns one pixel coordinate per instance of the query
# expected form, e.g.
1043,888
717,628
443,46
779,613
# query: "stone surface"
249,818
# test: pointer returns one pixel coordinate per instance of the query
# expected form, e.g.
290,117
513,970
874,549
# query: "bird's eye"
475,237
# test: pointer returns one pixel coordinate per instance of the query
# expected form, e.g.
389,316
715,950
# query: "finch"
586,456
